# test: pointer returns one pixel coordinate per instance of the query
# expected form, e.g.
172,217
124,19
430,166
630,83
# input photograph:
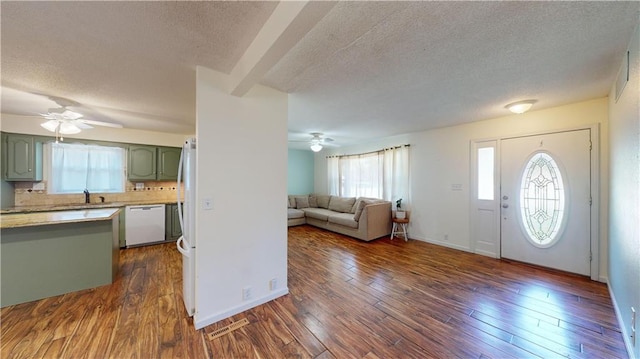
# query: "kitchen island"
44,254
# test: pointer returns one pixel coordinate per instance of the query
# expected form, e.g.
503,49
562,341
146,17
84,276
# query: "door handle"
504,205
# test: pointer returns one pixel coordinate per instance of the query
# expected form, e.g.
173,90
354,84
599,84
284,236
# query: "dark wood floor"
348,299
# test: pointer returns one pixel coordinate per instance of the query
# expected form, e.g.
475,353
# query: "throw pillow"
360,209
302,202
323,201
341,204
313,203
288,202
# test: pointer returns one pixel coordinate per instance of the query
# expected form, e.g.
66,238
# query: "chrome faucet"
87,196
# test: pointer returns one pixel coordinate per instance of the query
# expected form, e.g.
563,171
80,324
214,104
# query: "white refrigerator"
187,242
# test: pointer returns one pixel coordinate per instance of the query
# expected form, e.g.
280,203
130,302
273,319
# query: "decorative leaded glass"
542,199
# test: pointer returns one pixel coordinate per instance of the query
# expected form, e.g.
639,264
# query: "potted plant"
400,213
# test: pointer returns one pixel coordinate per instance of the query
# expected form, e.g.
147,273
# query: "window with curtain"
382,174
76,167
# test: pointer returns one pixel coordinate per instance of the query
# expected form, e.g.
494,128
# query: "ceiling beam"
288,24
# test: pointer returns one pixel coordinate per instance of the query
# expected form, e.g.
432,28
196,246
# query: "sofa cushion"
341,204
370,199
318,213
292,201
323,201
361,204
293,213
313,202
344,219
302,202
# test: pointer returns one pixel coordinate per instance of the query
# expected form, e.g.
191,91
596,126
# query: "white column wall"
242,168
624,231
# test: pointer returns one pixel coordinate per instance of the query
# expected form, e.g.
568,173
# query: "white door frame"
477,236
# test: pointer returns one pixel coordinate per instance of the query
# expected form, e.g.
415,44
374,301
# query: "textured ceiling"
127,62
366,70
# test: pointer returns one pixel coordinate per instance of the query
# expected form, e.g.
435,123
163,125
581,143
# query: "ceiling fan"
316,141
64,121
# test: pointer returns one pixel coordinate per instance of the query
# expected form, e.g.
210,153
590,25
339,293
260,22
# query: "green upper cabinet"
22,159
153,163
142,163
168,158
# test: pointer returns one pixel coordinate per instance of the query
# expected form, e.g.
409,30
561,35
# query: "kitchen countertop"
77,206
46,218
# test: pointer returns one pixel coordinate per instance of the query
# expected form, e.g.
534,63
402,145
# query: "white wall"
440,158
624,231
31,125
242,167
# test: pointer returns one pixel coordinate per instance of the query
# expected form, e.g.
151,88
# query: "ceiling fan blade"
81,125
100,123
328,139
68,114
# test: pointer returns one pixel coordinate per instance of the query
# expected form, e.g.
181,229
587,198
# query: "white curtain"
383,174
361,176
396,175
76,167
333,176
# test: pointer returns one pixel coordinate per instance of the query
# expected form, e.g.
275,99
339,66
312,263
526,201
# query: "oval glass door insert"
542,200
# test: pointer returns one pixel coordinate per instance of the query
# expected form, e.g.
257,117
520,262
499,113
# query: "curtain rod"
368,153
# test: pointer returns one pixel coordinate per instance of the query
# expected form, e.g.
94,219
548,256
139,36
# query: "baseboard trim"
444,244
486,253
200,323
623,329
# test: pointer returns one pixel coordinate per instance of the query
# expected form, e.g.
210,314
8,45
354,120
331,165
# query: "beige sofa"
362,218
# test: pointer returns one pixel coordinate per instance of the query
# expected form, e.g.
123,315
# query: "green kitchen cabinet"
150,163
122,228
172,224
142,163
168,158
22,158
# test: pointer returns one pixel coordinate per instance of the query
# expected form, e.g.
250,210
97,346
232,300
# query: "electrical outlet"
246,293
446,237
207,203
273,284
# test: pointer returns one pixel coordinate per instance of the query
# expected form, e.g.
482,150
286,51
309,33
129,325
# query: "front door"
545,200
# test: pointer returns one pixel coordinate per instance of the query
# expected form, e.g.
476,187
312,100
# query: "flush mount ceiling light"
520,106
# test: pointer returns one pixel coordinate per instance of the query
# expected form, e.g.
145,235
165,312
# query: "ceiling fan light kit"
68,128
51,125
66,122
317,141
520,106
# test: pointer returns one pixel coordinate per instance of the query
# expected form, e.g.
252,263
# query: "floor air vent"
228,329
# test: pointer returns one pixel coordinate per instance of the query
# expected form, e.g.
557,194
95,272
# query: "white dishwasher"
144,224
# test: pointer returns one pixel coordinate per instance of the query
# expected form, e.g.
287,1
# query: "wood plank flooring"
348,299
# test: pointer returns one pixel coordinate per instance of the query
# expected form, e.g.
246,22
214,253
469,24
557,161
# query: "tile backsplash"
35,194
